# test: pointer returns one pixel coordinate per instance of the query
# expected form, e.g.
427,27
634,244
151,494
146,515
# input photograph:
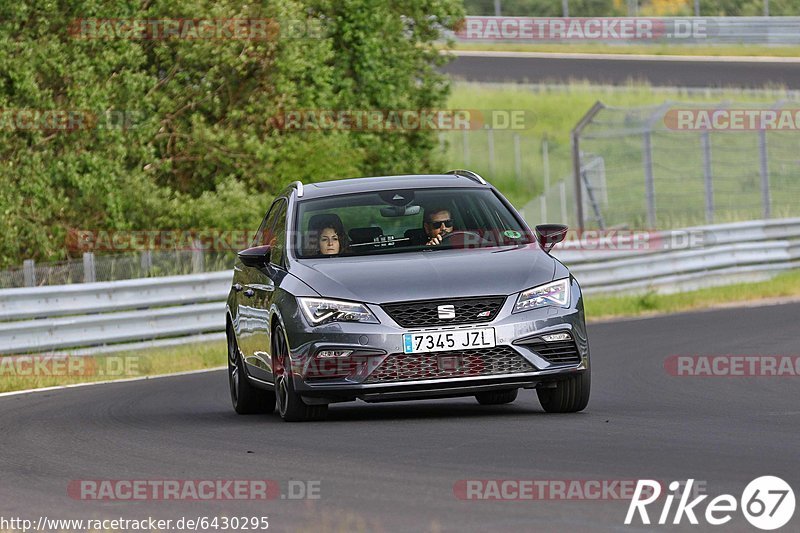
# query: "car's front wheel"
497,397
568,396
291,406
245,397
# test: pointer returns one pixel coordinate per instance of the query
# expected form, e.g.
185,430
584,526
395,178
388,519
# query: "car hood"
427,275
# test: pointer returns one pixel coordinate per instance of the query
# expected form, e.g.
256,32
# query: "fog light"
555,337
333,353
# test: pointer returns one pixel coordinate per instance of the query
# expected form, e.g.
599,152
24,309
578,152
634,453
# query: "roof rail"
468,174
299,186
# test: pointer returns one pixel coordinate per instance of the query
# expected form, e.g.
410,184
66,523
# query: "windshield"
398,221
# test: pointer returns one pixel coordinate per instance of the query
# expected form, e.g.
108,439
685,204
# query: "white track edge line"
106,382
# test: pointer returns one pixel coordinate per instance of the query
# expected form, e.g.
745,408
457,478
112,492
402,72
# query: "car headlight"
320,311
554,293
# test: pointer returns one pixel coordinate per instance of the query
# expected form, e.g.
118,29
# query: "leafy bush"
179,133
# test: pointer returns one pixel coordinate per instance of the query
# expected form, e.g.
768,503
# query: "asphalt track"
541,68
392,467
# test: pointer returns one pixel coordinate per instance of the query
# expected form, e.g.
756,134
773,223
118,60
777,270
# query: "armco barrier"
109,315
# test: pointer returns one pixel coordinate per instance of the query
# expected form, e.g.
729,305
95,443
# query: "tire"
246,398
497,397
569,396
291,406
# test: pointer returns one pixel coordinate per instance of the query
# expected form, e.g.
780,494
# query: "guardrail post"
649,180
29,273
766,201
89,272
197,257
705,141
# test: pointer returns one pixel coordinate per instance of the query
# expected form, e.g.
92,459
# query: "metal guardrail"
729,252
109,315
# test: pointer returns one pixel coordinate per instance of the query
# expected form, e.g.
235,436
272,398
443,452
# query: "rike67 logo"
767,503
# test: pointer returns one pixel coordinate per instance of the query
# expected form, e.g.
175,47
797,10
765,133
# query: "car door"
243,277
260,289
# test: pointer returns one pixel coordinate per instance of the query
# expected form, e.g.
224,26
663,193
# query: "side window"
278,237
260,237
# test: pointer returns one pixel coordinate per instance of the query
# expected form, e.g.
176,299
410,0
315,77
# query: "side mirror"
257,256
548,235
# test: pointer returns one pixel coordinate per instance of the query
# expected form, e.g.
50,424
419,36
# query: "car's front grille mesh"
557,353
483,362
424,313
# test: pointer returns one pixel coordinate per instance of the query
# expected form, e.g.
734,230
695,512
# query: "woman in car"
329,232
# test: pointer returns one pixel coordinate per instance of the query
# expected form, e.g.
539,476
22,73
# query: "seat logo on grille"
446,311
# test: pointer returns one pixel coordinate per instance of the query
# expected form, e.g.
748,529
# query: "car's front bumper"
374,344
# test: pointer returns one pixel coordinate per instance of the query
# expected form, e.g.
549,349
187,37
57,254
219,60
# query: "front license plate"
448,340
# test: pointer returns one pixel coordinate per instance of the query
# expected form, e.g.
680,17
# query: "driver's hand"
434,241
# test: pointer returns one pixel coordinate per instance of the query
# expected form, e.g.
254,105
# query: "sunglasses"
446,223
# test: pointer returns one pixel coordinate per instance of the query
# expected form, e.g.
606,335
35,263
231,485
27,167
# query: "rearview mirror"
548,235
257,256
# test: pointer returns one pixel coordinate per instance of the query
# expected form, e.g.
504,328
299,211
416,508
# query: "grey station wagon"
402,288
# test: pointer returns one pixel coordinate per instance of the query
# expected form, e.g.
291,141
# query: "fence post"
543,208
89,272
766,201
576,160
497,8
197,256
465,147
490,138
29,273
146,261
562,191
649,180
546,163
517,157
705,141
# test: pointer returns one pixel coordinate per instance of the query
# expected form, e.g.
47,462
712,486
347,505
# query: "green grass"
119,365
552,111
785,285
652,49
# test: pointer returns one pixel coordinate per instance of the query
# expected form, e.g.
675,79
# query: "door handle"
249,293
237,287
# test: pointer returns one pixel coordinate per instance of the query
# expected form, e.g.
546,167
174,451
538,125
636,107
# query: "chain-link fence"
115,267
678,165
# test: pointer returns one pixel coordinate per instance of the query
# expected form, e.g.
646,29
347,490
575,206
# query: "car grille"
483,362
557,353
425,313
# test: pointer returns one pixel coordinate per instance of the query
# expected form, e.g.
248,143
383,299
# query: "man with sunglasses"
437,223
